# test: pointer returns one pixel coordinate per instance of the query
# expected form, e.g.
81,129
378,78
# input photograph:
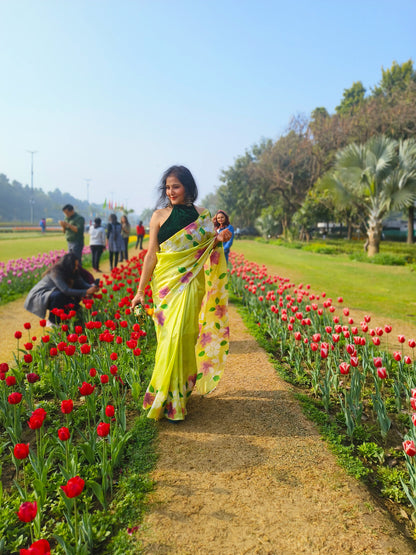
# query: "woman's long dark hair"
186,178
64,268
227,219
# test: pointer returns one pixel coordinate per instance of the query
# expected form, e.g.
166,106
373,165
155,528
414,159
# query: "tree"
352,99
375,176
394,79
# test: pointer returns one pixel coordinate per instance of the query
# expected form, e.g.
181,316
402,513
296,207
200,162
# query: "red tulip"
70,350
413,403
316,337
372,332
346,311
21,450
42,323
412,343
344,368
401,338
40,547
414,418
407,360
11,380
354,361
109,411
74,487
340,300
67,406
86,388
413,392
32,377
376,341
27,511
93,372
85,349
367,318
397,355
382,373
35,422
379,331
64,434
409,448
103,429
104,379
387,328
378,363
27,358
53,351
350,348
14,398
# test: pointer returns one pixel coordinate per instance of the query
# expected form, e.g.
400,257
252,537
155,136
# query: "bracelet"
140,291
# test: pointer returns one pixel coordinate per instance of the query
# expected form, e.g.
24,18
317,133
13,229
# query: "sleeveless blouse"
180,217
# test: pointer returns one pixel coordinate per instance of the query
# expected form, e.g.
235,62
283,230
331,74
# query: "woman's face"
175,191
221,218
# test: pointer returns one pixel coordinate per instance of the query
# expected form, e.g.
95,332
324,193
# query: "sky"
110,93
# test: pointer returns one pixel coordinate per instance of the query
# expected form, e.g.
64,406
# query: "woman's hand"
223,236
138,299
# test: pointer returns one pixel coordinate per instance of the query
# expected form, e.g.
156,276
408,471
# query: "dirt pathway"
247,473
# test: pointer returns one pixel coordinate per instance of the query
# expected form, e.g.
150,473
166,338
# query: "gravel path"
246,472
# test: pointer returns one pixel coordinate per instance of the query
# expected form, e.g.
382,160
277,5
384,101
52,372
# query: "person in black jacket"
60,286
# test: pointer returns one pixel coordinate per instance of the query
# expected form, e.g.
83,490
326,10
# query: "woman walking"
97,243
189,284
114,240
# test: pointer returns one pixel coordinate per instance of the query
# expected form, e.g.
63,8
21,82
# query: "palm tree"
377,176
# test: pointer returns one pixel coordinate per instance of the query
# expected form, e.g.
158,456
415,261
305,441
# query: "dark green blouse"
180,217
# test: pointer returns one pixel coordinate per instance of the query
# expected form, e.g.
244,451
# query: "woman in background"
222,222
114,240
97,243
125,233
140,232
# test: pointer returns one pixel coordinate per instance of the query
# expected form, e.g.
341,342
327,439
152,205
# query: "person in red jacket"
140,231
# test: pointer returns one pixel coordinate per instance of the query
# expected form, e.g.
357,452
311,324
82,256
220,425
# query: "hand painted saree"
190,312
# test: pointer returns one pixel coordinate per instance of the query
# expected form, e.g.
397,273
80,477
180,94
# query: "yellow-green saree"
190,312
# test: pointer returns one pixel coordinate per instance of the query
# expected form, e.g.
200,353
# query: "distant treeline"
16,202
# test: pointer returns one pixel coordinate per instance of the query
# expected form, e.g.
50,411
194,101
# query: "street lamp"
32,200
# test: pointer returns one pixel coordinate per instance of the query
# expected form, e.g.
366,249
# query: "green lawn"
23,245
388,291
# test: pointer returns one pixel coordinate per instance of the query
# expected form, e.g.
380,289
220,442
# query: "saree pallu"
190,296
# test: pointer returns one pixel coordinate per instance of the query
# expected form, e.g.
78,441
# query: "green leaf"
216,378
199,376
212,309
164,306
188,236
201,354
222,276
202,230
195,244
223,343
181,270
217,300
151,389
98,491
217,325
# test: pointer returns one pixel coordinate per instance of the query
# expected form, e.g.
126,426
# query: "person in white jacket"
97,243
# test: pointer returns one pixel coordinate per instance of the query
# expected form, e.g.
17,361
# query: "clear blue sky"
117,90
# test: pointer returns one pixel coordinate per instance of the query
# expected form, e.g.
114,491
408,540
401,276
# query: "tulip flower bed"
17,276
65,426
365,395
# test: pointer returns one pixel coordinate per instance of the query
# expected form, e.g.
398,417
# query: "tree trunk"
349,232
410,217
374,238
